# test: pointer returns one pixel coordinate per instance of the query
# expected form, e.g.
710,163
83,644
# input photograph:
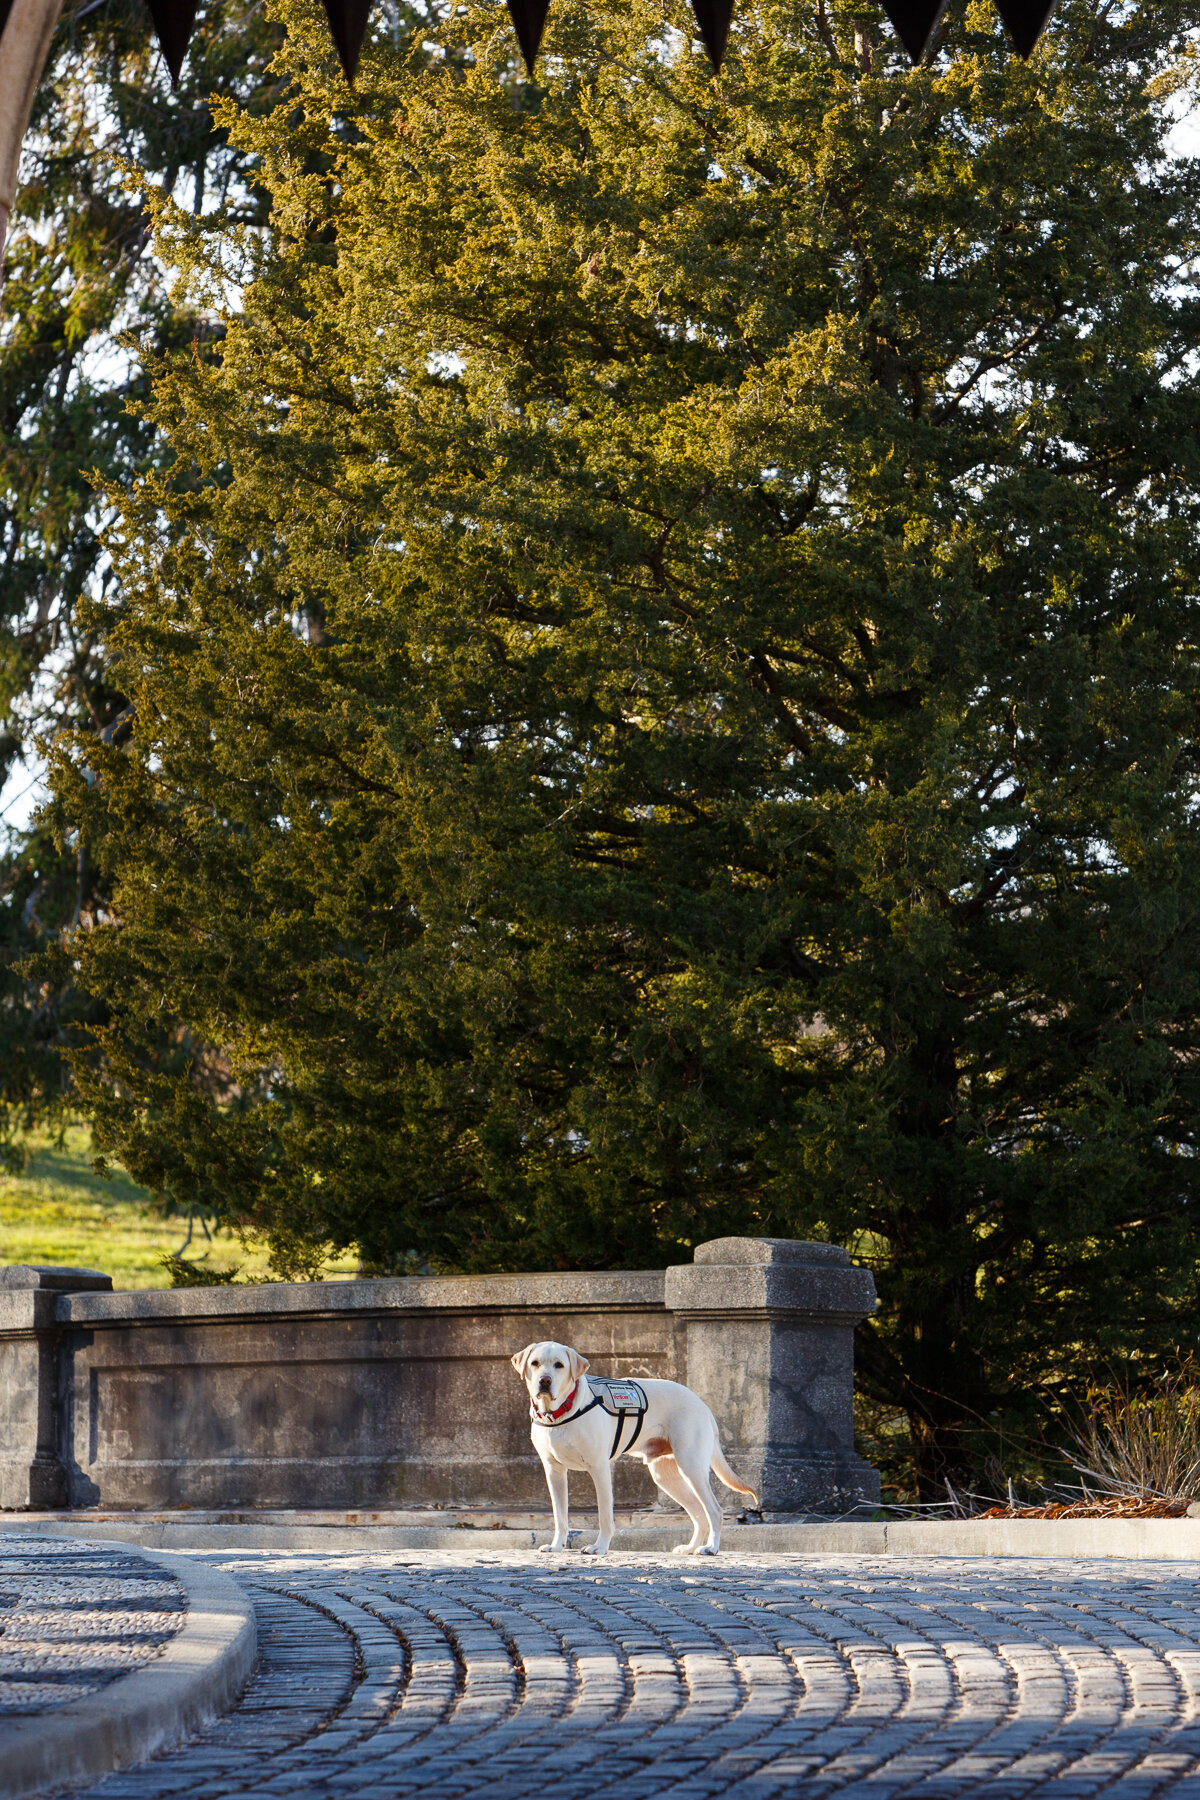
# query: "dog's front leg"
601,1474
556,1481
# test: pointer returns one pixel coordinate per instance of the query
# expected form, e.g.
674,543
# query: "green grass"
60,1211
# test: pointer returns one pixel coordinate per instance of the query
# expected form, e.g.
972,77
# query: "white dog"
662,1422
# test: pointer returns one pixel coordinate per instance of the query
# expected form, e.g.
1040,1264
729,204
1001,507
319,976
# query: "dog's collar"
567,1404
562,1415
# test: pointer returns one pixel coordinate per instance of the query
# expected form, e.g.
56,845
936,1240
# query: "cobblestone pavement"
75,1616
518,1677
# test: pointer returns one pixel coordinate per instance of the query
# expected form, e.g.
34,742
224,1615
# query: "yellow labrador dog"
663,1423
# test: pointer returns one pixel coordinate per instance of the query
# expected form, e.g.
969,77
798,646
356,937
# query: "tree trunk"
24,47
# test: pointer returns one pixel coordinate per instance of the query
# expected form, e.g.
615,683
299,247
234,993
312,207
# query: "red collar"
567,1404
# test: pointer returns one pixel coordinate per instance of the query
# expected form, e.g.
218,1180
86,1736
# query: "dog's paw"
707,1550
596,1549
683,1550
550,1549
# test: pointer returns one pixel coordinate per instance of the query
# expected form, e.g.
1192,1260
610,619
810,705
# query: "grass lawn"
58,1211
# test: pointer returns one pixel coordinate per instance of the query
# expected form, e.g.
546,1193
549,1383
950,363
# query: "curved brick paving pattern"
516,1677
74,1617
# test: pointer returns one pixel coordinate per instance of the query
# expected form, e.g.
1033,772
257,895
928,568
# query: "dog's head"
549,1371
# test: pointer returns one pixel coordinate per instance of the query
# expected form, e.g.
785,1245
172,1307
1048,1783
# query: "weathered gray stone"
624,1291
51,1275
399,1393
347,1394
769,1250
31,1471
769,1342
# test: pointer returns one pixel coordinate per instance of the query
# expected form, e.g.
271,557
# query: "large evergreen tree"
666,677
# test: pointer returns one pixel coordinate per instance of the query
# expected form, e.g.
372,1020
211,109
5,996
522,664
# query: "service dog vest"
621,1400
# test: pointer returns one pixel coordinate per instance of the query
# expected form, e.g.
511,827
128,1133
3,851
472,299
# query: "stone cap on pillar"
771,1275
54,1277
769,1250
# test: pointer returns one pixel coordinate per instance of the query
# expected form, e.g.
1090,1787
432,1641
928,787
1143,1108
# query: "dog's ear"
521,1358
579,1364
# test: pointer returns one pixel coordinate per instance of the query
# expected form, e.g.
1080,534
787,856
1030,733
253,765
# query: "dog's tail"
722,1469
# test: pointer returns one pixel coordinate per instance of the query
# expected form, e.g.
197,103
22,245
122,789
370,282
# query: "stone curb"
198,1676
1160,1540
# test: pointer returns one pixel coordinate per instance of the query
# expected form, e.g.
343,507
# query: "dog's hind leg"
693,1471
671,1479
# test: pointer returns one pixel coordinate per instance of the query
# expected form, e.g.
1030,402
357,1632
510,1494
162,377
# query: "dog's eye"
535,1364
558,1365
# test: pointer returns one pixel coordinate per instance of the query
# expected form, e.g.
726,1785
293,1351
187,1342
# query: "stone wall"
399,1393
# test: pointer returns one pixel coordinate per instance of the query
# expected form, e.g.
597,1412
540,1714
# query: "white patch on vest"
620,1395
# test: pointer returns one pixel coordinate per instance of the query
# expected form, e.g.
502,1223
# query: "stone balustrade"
399,1393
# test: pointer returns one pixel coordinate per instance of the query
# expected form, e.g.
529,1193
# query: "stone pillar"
768,1326
32,1476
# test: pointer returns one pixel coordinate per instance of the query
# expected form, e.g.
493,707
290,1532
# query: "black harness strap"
637,1428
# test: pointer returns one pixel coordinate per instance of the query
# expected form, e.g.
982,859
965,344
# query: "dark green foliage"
666,681
192,1274
43,890
84,303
